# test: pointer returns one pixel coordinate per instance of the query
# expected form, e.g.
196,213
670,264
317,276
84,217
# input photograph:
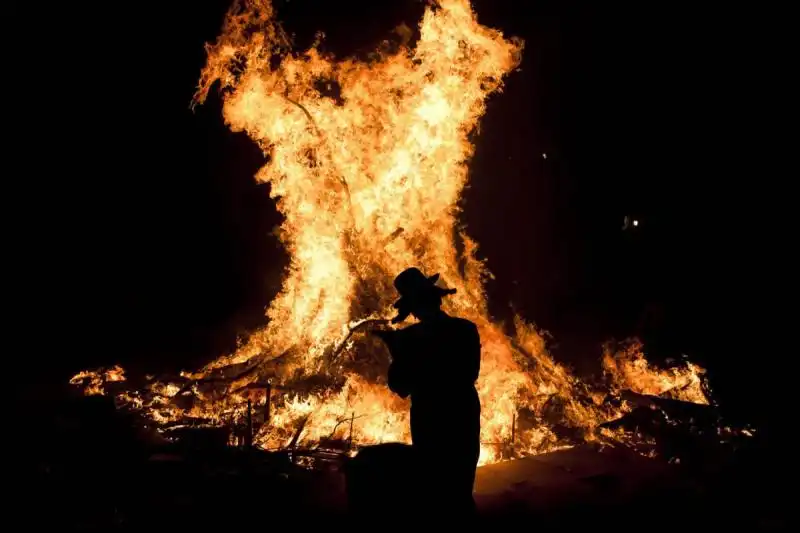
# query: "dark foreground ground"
85,466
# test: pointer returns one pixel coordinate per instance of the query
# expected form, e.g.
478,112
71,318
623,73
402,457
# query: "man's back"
435,358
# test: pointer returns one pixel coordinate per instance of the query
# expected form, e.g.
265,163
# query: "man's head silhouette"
419,294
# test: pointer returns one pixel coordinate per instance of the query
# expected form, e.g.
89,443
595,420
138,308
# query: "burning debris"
313,415
369,184
94,381
628,369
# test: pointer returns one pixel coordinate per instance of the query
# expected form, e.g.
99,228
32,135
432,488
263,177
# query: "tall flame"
367,160
369,180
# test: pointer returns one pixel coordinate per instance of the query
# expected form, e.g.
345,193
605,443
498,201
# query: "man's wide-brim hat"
415,288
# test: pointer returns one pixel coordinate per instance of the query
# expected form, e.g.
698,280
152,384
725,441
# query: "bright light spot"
544,155
635,222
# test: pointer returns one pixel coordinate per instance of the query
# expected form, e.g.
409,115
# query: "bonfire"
367,158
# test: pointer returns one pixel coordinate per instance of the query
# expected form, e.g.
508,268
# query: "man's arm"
401,375
400,378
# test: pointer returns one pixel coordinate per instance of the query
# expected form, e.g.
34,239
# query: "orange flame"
93,381
369,182
630,370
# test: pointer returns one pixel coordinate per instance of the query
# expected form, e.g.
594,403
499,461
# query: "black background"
144,239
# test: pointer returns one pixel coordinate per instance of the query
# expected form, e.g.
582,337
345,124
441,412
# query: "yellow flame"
384,163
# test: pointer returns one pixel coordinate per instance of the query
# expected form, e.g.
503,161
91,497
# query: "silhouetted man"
436,362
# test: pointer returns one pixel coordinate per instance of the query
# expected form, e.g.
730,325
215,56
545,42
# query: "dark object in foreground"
99,477
380,480
693,435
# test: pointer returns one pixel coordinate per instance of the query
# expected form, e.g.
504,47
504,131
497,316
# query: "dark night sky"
151,241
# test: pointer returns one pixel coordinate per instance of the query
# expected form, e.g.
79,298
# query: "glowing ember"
369,183
93,381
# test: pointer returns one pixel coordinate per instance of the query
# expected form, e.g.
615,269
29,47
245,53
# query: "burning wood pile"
652,411
367,158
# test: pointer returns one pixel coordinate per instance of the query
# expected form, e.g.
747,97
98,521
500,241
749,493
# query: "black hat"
414,288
